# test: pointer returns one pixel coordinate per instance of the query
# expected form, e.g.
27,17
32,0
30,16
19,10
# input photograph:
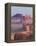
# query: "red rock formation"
27,25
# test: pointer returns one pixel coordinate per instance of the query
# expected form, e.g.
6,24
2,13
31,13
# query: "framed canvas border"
8,21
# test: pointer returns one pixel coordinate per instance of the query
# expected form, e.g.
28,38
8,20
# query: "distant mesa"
17,16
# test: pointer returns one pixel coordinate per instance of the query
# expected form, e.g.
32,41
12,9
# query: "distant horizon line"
23,14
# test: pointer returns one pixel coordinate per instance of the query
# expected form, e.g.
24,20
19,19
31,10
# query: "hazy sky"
21,10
